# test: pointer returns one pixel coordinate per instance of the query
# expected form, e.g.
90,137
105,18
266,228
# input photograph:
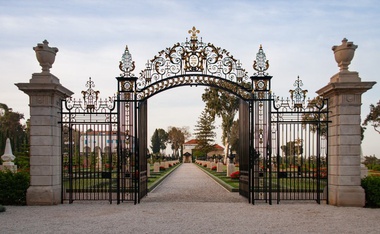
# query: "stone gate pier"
45,95
344,93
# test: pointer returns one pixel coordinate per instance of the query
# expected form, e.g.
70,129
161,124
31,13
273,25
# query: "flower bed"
235,175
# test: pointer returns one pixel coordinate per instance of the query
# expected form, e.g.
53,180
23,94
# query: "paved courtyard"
188,201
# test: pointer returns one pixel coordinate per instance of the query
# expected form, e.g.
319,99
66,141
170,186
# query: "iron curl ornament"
90,101
191,60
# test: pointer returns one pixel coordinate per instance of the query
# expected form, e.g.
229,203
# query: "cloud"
297,37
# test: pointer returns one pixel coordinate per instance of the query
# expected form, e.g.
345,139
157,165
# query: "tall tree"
163,136
11,127
155,141
225,105
177,136
158,140
373,117
204,132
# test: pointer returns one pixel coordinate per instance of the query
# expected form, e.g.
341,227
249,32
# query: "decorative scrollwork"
242,90
191,58
90,101
298,95
298,100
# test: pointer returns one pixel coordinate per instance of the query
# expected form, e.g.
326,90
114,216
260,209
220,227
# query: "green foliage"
204,132
292,148
13,187
372,163
371,185
177,137
158,140
225,105
373,117
155,141
10,127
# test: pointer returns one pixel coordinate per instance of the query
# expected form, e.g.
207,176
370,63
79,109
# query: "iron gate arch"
104,153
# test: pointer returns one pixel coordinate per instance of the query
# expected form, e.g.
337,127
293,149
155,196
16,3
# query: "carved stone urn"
45,55
344,54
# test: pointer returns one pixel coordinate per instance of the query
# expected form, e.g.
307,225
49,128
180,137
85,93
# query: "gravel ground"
188,201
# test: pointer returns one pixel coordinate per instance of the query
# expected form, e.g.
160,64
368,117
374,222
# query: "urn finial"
344,54
45,55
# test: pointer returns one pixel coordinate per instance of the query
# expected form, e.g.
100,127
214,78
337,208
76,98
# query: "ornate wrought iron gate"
283,143
289,155
98,157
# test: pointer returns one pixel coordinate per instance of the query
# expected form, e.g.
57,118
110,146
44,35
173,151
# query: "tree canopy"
11,127
159,140
204,133
176,137
225,105
373,118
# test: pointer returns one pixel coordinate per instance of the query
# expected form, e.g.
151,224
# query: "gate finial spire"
193,33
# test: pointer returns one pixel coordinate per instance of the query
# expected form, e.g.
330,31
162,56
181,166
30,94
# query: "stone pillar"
45,95
344,93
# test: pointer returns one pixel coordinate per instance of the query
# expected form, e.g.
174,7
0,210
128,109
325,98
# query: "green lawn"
157,177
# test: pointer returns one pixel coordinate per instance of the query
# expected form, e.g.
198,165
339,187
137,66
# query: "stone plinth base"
12,168
156,167
353,196
219,167
230,169
43,195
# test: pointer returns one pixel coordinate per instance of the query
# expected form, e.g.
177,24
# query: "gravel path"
188,201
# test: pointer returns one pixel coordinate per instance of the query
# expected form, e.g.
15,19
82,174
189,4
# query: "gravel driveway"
188,201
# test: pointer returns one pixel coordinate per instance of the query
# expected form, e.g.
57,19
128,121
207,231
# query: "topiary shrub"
371,185
13,187
2,208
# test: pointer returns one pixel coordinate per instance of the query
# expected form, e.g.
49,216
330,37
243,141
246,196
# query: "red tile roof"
195,142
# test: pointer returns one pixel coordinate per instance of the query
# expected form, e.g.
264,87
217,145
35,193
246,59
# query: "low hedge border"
157,182
371,186
221,182
13,187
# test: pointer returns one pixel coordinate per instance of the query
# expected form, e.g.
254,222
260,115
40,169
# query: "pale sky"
297,37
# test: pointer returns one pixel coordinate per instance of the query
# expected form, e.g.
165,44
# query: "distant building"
190,145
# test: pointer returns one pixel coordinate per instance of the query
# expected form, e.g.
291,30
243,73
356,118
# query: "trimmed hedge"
2,208
13,187
371,185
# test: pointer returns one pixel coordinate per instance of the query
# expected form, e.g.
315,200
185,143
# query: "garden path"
188,183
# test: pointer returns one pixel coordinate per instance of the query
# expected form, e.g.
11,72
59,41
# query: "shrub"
2,208
205,165
213,168
376,167
371,185
235,175
13,187
162,168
